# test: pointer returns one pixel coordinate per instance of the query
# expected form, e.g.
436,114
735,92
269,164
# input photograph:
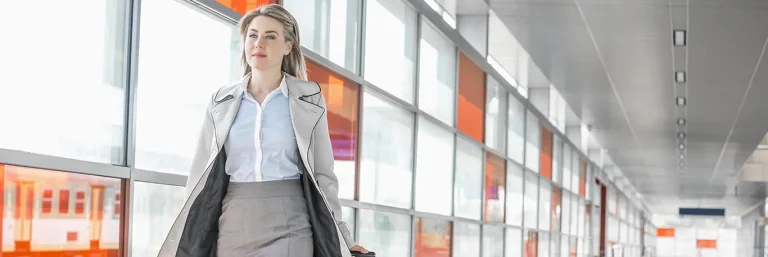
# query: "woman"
262,181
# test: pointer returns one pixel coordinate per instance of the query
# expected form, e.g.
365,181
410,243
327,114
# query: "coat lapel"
225,108
305,116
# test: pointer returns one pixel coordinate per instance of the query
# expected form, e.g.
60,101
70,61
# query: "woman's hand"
358,248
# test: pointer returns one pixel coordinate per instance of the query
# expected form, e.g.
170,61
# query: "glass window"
23,222
583,178
567,176
385,165
433,238
565,222
530,243
514,194
495,115
395,25
531,200
437,74
163,143
387,234
329,28
495,179
341,98
557,156
515,129
544,244
80,115
466,239
154,208
575,173
471,98
532,142
434,165
514,243
545,203
493,241
575,204
546,152
565,247
467,192
348,215
556,208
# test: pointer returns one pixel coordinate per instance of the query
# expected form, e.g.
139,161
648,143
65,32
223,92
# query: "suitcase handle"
360,254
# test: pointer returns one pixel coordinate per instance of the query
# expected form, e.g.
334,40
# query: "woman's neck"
264,81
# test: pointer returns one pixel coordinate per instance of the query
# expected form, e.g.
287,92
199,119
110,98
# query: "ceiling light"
679,37
681,101
680,76
681,121
681,135
681,146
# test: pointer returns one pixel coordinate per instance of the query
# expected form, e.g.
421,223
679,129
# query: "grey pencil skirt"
265,219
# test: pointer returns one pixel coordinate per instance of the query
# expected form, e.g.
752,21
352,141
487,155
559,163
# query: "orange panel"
546,153
531,245
341,98
471,105
706,244
665,232
433,238
495,177
556,199
244,6
583,178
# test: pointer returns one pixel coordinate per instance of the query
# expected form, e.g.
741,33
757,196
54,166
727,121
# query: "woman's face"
265,45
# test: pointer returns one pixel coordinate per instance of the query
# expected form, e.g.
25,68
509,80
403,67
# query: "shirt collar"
283,88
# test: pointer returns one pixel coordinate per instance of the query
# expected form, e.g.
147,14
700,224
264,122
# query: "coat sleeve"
203,148
324,173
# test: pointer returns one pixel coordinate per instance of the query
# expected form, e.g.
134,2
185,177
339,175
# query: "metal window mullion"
133,22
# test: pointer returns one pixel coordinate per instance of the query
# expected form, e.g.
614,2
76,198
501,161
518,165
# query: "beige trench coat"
195,230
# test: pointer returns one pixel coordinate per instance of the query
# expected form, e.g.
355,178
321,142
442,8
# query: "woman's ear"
288,47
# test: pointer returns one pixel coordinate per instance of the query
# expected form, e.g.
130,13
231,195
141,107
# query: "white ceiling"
614,61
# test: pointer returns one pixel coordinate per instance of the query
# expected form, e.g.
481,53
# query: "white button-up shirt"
261,145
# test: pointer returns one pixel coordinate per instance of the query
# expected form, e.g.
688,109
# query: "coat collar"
291,86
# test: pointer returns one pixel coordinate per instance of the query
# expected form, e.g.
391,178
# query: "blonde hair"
293,63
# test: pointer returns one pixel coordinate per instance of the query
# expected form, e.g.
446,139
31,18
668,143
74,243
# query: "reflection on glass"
531,200
466,239
437,74
167,128
53,213
79,113
467,193
493,241
341,99
471,98
515,129
395,27
514,243
565,225
545,202
514,194
495,179
387,234
567,165
154,208
557,156
329,28
565,247
556,209
530,244
533,142
434,165
348,215
544,244
495,115
433,238
385,165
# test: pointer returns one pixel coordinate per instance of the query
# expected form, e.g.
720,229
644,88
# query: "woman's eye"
252,36
270,37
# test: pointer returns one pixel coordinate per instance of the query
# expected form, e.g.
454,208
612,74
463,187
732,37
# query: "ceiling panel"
613,62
